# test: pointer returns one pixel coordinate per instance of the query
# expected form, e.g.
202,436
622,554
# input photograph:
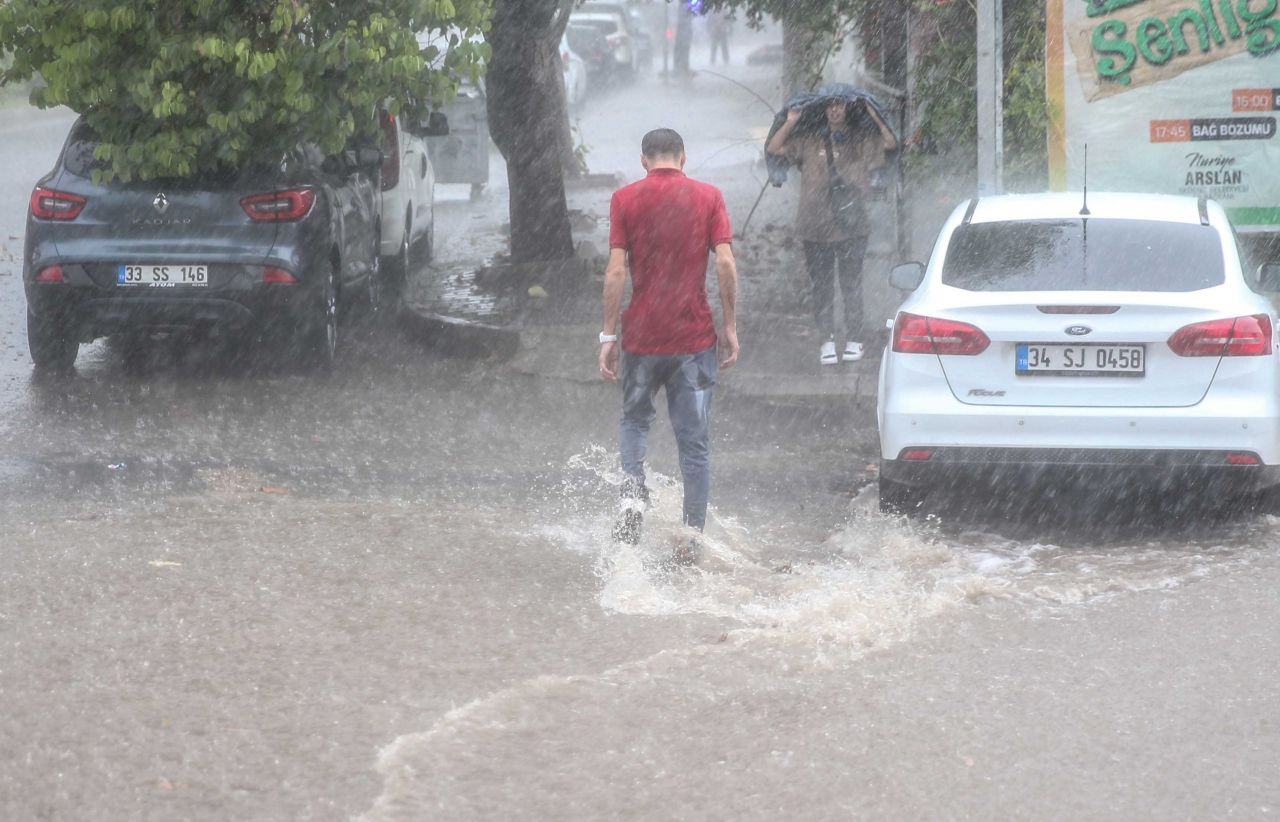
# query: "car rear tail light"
564,58
1243,458
913,334
48,204
280,206
1231,337
916,454
390,152
51,274
277,276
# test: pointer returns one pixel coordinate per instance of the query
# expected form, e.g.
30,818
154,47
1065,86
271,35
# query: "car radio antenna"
1084,219
1084,206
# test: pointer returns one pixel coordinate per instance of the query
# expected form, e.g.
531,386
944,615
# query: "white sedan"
408,205
575,75
1056,335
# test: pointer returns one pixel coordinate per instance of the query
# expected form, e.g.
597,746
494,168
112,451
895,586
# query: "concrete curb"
459,337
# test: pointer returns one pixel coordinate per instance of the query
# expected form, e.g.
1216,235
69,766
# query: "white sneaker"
827,354
853,351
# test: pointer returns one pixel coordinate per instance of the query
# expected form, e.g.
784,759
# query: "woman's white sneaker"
827,354
853,351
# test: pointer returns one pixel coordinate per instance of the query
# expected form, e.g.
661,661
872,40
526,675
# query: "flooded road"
396,597
390,594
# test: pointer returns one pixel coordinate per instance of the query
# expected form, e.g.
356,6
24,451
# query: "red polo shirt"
668,224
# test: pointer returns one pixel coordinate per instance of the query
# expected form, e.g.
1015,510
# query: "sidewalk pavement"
545,322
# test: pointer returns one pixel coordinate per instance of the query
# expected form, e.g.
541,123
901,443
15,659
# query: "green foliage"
946,76
814,15
187,87
946,72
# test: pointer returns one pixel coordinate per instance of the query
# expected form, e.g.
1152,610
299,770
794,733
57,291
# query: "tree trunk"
528,119
683,39
802,50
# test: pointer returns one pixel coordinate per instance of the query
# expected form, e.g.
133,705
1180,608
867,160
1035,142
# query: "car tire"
429,241
318,340
395,275
1265,501
899,499
376,285
52,346
133,351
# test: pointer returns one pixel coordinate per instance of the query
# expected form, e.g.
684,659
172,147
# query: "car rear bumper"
88,314
1081,430
1237,416
1109,473
1140,446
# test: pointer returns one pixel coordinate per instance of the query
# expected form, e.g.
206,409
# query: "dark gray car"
268,254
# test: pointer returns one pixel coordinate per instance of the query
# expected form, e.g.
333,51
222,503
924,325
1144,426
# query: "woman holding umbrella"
838,141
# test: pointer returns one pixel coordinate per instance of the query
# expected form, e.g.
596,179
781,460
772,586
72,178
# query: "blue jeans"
688,380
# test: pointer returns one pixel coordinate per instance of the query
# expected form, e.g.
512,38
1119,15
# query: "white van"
408,195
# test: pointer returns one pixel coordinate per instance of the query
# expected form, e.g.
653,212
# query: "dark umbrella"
813,118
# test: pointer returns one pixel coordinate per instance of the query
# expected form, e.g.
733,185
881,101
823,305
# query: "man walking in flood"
662,229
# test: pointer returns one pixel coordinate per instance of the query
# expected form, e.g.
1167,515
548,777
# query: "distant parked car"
615,24
589,43
1116,339
766,55
408,197
271,253
575,74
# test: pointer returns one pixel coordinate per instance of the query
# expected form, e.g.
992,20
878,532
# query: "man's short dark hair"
662,142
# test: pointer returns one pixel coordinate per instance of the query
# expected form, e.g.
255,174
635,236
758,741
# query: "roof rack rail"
968,212
1202,203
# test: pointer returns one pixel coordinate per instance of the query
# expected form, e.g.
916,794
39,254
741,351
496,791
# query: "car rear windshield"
79,160
1083,255
604,24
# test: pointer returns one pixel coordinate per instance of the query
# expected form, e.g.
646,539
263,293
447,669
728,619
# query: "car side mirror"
1269,277
907,276
436,125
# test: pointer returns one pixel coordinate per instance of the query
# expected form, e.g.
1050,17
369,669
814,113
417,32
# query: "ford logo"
1078,330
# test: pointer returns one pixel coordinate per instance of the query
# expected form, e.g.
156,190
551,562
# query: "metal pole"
990,84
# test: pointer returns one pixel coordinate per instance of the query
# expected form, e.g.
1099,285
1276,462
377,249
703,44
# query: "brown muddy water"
379,601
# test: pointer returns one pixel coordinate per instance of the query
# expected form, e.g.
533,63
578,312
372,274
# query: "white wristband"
604,338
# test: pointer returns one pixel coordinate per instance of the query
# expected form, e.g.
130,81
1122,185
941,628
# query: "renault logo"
161,203
1079,330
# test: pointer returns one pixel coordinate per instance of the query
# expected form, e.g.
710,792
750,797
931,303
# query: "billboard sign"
1171,97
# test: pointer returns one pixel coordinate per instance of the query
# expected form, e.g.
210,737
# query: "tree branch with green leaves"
193,87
